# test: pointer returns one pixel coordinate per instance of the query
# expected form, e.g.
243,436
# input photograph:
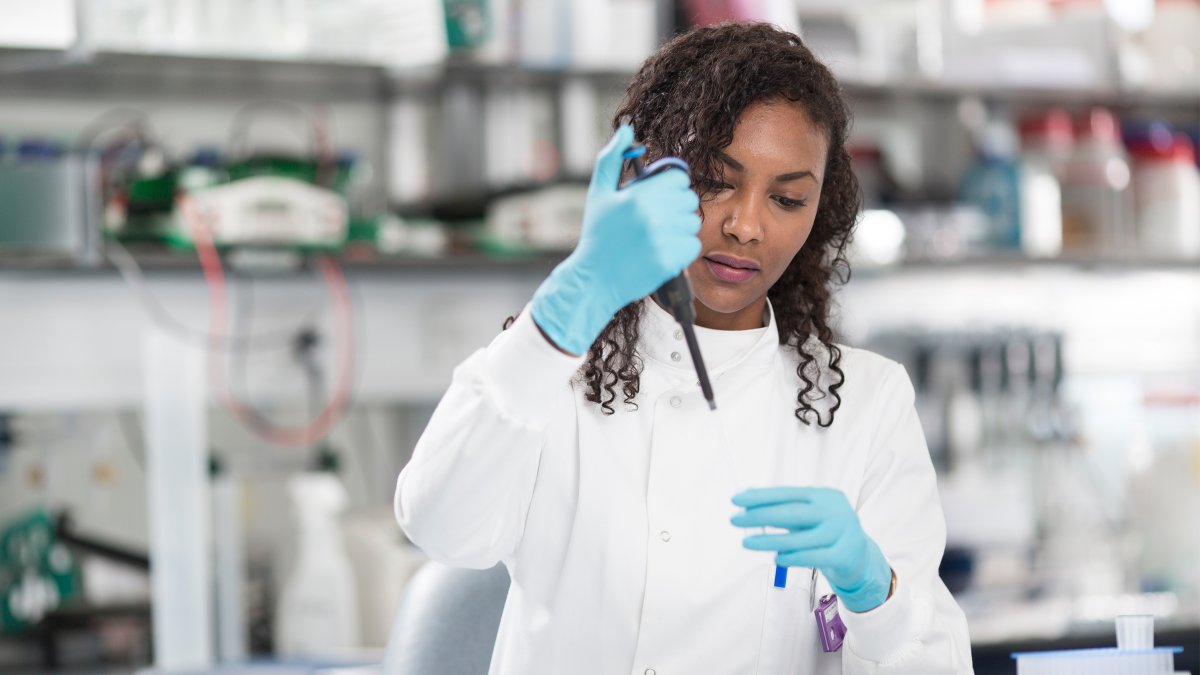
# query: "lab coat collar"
722,349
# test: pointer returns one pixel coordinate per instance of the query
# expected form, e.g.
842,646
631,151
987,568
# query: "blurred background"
243,243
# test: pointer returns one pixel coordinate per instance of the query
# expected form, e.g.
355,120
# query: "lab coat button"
650,671
678,334
664,535
676,356
676,401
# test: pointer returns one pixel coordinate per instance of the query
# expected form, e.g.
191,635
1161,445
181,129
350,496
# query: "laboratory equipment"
257,196
1098,662
37,572
273,197
272,210
42,204
675,296
543,220
1135,654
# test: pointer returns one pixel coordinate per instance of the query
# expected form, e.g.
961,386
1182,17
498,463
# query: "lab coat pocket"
784,616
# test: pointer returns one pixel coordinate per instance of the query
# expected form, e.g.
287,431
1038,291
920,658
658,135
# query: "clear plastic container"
1135,631
1097,209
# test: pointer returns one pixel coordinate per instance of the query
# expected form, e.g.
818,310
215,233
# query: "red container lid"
865,153
1178,149
1052,125
1099,123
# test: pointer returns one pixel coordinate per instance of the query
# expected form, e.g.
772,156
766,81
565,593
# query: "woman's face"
758,214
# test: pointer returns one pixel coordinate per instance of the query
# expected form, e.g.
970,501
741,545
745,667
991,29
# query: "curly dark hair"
685,101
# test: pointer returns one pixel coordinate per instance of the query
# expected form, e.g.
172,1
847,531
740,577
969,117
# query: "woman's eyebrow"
733,163
796,175
782,178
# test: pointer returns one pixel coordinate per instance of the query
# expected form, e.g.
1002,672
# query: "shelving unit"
168,73
139,74
159,261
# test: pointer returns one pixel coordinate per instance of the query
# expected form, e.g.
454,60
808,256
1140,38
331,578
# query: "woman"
577,448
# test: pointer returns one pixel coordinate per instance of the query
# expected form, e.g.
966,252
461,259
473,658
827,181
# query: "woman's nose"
745,221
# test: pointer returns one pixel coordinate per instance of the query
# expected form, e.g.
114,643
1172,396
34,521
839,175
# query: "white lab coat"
615,529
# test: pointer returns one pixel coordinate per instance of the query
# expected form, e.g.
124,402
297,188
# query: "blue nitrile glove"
823,531
633,241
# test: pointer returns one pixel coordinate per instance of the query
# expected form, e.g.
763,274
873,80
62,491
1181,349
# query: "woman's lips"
733,275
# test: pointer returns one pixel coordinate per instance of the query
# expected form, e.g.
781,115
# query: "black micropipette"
675,296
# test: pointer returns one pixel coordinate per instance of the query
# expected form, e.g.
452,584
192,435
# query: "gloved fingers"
671,200
676,252
820,537
680,225
789,515
669,230
670,179
677,237
609,162
660,198
755,497
813,557
691,200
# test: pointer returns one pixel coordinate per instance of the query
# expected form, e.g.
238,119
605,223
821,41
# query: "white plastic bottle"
1045,146
317,614
1166,189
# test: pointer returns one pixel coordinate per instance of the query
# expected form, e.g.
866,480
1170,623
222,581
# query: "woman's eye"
790,204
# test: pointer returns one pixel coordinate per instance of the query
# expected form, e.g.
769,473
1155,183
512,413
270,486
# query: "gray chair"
447,621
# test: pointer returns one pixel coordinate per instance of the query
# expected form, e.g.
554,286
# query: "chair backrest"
447,621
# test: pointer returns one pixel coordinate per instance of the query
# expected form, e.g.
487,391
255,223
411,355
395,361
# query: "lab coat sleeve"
464,495
921,628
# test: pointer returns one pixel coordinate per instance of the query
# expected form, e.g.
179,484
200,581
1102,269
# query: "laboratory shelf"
469,264
158,261
950,92
1016,263
460,71
116,72
106,73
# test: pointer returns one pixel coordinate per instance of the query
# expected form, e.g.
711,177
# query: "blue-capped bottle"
993,185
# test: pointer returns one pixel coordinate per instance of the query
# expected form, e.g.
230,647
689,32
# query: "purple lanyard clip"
829,623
